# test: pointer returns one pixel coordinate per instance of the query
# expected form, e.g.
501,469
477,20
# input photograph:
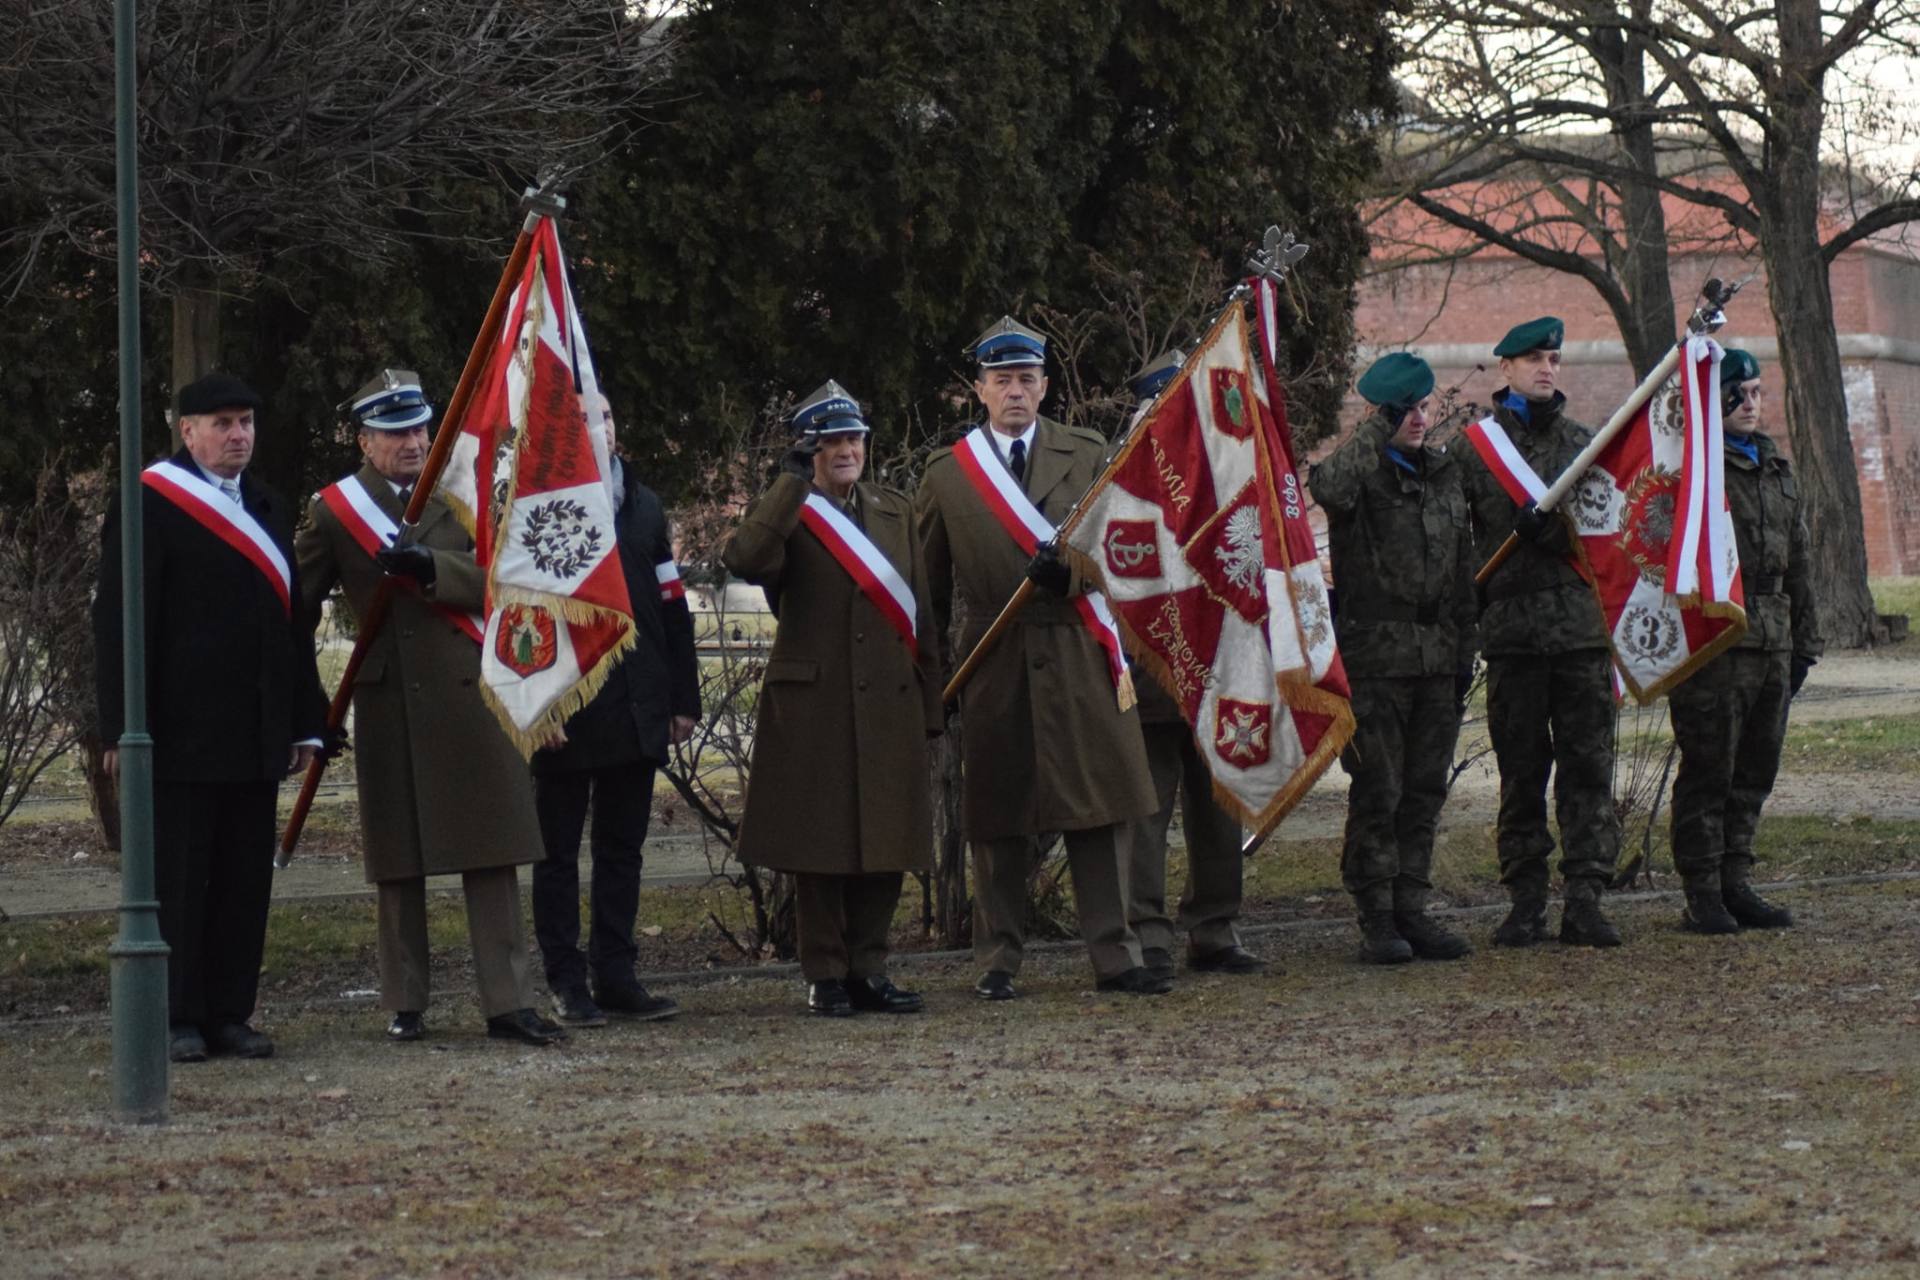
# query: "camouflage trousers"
1402,747
1554,712
1729,721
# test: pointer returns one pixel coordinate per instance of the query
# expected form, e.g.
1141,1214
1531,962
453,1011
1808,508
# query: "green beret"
1400,379
1738,366
1543,334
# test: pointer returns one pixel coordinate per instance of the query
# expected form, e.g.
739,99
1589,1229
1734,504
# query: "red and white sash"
875,575
374,531
981,465
1504,459
226,520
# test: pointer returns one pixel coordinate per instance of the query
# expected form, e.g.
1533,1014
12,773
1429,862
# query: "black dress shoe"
1158,961
879,995
526,1026
575,1008
407,1025
186,1044
1230,959
631,1000
1135,982
238,1040
995,984
828,998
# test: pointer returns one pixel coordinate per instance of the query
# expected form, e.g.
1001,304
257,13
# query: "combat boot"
1429,939
1581,924
1380,942
1525,924
1751,911
1706,914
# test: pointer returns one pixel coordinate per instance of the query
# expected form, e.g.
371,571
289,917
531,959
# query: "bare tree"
1561,130
269,126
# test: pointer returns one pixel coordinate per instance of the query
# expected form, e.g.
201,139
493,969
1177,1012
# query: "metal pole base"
140,1033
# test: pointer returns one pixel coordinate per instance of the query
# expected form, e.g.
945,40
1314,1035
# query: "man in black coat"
233,705
607,754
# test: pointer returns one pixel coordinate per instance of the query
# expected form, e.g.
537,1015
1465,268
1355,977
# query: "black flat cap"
213,393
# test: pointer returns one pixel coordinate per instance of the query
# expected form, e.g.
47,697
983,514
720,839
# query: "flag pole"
538,203
1277,255
1707,318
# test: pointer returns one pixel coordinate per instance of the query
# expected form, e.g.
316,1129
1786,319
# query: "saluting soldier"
233,705
1046,745
1402,549
1210,906
839,776
1730,717
442,788
1549,691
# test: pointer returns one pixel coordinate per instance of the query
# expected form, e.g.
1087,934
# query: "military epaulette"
944,452
1081,433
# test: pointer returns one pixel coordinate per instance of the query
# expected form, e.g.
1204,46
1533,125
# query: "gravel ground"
1681,1107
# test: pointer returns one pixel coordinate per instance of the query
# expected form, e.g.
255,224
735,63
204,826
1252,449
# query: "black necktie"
1017,460
405,495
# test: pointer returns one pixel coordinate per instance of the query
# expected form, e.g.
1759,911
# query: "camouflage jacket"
1535,602
1770,528
1402,557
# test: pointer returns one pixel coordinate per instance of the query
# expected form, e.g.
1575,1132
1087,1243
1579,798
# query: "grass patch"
1874,745
1896,595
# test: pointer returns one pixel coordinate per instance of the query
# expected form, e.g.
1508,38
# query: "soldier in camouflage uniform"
1730,717
1549,692
1403,575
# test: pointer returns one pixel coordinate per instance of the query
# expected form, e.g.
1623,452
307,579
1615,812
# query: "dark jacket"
1770,529
1536,602
231,680
659,678
1402,557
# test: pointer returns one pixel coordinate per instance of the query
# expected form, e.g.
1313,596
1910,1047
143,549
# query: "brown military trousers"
1211,902
841,923
1402,747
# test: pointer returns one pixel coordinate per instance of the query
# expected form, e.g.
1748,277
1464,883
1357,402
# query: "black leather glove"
1049,572
1801,665
335,743
1463,684
1531,523
411,561
798,461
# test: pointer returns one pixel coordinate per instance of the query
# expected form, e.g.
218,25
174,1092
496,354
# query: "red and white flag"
1199,530
1655,535
529,477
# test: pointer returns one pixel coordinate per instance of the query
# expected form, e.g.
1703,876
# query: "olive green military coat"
442,788
839,781
1770,529
1402,549
1536,602
1044,746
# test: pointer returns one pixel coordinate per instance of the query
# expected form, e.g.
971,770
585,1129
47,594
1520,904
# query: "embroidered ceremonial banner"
372,530
226,520
1200,533
1028,528
1655,535
530,478
875,575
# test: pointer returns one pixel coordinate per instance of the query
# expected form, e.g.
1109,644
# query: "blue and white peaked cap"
392,401
1008,344
830,411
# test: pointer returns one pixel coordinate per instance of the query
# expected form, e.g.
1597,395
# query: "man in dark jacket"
1730,718
233,705
607,755
1549,689
1403,572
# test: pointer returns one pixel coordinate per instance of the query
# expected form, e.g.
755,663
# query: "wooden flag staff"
538,203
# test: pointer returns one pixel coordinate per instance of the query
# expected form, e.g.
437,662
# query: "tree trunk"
1802,297
1646,325
196,334
953,910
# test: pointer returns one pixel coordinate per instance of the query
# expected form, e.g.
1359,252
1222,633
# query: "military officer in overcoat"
1210,906
1402,550
1730,717
442,788
838,787
233,705
1549,691
1046,746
